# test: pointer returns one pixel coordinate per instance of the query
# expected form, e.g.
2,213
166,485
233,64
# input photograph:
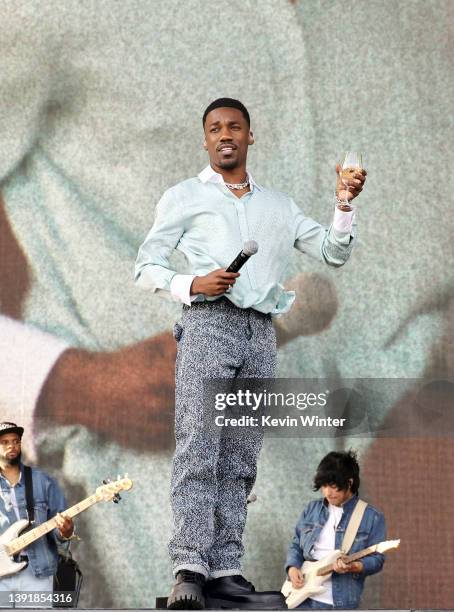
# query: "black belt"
20,558
223,302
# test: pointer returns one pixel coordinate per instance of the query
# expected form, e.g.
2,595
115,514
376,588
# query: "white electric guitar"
11,543
317,572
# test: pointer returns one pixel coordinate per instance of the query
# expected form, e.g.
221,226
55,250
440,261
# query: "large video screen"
101,108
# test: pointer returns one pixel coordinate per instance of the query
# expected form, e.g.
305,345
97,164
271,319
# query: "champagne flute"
350,162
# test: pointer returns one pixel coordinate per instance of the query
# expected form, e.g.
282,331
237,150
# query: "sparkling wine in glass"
350,162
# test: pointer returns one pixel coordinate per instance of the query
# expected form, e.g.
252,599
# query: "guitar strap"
353,525
29,493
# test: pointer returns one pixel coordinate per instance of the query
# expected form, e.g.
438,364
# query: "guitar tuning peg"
106,481
116,498
118,477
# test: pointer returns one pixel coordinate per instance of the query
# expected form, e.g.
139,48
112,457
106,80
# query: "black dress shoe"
187,592
234,592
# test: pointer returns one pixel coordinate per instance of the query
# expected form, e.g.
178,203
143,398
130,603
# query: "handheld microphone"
249,248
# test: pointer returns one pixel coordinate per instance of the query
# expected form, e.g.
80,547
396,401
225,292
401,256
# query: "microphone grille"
250,247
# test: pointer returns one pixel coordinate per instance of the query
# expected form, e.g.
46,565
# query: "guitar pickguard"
8,567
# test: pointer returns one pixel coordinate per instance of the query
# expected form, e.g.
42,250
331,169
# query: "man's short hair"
226,102
337,468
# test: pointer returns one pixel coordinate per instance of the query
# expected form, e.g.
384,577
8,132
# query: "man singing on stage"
225,332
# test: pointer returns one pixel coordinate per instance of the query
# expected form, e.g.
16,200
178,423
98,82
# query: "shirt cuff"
27,355
180,288
343,220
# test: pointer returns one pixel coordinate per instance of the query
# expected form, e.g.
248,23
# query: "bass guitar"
12,543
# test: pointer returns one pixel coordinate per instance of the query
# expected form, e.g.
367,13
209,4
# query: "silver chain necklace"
238,185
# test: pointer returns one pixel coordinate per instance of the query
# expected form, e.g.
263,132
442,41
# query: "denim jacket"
347,588
48,500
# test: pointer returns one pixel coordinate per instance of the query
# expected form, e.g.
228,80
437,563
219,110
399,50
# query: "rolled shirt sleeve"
180,288
343,221
329,245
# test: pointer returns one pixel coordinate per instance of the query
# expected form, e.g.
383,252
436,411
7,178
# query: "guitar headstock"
109,491
384,546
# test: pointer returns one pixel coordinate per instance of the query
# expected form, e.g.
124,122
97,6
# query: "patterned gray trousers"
212,476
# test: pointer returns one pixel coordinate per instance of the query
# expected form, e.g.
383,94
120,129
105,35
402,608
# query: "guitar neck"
327,569
25,540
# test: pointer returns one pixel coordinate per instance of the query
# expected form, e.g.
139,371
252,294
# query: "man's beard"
13,460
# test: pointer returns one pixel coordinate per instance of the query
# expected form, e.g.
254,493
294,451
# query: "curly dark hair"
340,469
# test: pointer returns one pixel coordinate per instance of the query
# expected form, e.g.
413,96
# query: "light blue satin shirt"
204,220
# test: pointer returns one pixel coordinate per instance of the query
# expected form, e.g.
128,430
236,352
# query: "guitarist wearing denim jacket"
321,529
41,556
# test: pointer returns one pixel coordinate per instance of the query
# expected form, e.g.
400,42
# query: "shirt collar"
208,175
18,483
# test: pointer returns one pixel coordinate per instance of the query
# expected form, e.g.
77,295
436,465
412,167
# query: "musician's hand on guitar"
340,567
65,525
296,577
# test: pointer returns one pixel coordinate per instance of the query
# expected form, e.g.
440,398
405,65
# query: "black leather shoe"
236,592
187,592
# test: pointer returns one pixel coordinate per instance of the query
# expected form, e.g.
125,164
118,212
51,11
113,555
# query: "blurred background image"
100,112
